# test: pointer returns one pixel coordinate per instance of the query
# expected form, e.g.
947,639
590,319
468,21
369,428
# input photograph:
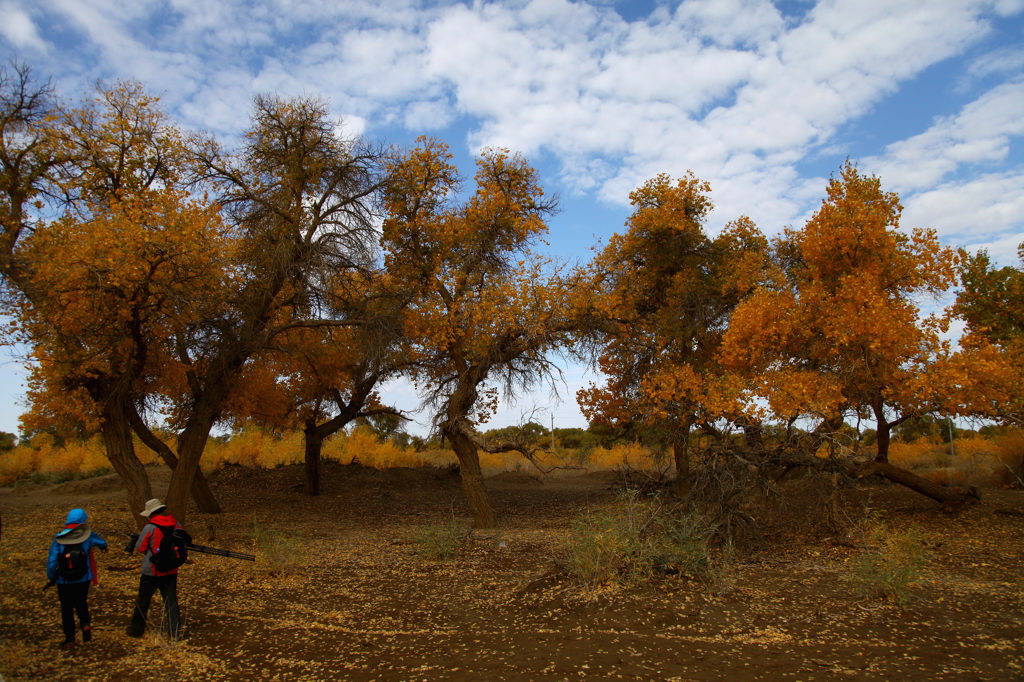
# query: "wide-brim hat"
74,535
152,506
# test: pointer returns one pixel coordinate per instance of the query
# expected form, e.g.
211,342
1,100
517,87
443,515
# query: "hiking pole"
203,549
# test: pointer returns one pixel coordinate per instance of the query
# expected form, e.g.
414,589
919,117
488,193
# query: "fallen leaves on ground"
356,600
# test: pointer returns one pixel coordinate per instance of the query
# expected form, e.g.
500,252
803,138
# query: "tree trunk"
472,480
191,444
753,433
681,453
201,493
883,434
117,440
314,446
950,497
884,430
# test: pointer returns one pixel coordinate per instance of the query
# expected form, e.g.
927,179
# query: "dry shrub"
495,462
725,492
973,460
16,464
803,502
923,454
1009,448
440,541
635,538
891,564
261,448
363,446
44,461
279,550
254,447
626,455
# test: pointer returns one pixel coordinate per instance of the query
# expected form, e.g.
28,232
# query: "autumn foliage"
167,284
839,332
665,293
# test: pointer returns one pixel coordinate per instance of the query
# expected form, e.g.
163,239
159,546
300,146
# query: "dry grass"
975,460
987,462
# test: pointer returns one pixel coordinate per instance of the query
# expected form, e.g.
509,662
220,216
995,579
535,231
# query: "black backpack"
72,563
173,549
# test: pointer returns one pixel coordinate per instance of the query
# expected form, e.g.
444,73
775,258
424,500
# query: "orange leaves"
845,331
981,379
857,230
483,307
150,259
136,272
118,144
666,294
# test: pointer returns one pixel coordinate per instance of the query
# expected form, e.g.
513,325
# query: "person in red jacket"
152,579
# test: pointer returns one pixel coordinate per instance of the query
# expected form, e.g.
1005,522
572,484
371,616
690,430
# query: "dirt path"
353,599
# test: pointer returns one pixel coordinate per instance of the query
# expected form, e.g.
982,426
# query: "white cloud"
1003,251
19,29
1006,61
965,212
981,133
731,22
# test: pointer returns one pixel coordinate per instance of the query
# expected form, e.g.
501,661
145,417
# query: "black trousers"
73,599
148,584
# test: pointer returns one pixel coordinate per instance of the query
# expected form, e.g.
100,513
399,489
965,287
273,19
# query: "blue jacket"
75,518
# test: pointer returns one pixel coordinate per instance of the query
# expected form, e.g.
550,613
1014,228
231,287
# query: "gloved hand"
130,547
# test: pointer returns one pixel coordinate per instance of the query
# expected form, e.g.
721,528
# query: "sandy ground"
349,596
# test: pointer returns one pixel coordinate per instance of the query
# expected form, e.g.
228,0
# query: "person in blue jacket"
72,567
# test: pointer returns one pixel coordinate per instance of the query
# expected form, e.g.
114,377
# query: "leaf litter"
356,600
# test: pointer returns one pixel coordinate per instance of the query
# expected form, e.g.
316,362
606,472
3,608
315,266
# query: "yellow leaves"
844,329
481,298
113,281
121,143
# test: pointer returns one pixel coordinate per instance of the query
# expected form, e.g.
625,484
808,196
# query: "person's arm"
143,542
99,542
51,561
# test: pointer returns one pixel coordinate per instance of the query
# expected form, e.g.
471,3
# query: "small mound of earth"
514,478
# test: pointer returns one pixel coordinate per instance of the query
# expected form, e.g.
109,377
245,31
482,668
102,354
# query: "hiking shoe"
132,633
87,633
67,644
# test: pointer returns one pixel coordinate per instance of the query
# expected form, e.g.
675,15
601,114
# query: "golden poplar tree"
663,294
484,310
844,333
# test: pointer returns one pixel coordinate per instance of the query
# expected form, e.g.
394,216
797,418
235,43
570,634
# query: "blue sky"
762,99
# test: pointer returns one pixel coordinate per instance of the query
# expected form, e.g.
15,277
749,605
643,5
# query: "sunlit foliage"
843,333
666,291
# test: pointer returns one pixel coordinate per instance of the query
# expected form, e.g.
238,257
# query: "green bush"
890,565
440,540
634,539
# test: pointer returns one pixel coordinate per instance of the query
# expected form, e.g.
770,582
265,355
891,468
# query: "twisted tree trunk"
472,480
116,432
